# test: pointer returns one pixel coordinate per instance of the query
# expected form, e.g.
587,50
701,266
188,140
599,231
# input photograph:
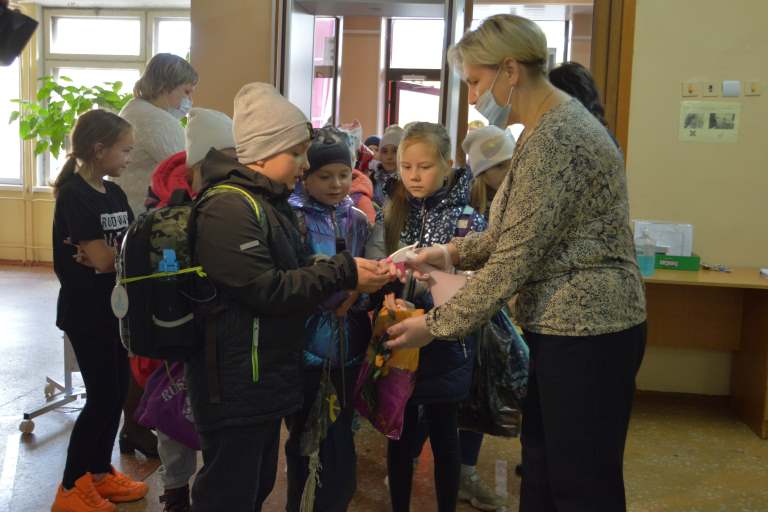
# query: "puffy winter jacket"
266,290
326,229
445,367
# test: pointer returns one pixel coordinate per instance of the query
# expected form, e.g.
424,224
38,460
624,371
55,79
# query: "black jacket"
265,290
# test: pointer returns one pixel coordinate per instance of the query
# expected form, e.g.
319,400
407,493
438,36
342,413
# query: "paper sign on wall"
709,121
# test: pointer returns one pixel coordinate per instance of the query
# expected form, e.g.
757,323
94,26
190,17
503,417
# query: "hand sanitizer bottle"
645,249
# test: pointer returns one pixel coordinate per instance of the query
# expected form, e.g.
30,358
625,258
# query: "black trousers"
104,366
442,424
575,420
239,468
338,475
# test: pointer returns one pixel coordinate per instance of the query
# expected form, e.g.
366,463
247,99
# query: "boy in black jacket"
251,248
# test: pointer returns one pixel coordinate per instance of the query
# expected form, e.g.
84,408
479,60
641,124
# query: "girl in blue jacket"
430,206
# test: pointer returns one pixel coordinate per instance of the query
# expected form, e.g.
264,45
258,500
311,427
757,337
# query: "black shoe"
176,500
519,470
142,441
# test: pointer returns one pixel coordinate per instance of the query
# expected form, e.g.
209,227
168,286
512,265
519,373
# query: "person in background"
576,80
331,224
489,151
205,129
162,96
430,205
373,142
384,174
250,244
89,220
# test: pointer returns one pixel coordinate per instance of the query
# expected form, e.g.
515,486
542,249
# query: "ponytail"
67,171
395,216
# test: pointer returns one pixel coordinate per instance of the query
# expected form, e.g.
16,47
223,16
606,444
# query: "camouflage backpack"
159,290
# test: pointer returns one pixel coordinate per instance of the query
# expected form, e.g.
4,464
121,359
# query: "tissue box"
671,238
667,262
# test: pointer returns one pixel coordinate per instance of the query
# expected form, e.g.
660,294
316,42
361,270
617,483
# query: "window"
95,35
172,35
10,142
324,82
414,65
93,47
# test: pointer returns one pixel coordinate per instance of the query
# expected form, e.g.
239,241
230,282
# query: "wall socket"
710,89
753,88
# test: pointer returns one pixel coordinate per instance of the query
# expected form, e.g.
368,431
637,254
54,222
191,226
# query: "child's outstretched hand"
371,275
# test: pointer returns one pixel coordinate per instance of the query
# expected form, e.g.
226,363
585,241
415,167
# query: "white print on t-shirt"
114,225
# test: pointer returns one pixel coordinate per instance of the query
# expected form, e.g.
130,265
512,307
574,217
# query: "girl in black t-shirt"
90,219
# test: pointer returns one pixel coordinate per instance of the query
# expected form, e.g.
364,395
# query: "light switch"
691,89
710,89
752,88
731,88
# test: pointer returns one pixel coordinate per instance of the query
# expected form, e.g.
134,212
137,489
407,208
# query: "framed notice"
709,121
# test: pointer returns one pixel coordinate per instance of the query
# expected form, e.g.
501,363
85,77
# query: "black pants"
442,423
338,475
239,468
575,420
104,366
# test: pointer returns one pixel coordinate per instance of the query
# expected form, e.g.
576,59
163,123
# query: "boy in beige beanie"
250,246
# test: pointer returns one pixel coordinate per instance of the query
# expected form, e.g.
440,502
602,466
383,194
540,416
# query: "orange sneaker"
83,497
118,488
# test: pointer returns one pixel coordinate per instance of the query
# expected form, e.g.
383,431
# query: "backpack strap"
464,222
211,352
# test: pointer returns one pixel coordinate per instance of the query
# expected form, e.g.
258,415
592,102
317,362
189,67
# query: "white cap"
487,147
207,129
393,135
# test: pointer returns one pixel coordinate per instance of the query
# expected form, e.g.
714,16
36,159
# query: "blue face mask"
496,114
183,109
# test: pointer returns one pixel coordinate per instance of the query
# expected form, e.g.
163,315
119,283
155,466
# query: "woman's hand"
410,333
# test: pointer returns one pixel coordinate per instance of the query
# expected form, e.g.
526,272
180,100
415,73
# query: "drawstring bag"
165,406
387,378
499,380
324,412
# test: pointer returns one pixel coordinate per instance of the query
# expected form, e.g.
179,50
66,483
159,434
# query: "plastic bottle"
645,249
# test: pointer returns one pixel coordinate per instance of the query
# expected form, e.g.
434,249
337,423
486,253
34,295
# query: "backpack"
159,290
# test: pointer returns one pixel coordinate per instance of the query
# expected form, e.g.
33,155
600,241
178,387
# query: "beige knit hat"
207,129
265,123
393,135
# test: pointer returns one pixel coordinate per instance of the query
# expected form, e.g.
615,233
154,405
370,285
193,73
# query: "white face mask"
497,115
184,108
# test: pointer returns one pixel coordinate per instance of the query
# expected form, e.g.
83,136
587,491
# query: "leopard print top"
559,237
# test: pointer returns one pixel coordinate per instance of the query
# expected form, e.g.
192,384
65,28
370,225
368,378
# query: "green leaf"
14,117
41,146
65,79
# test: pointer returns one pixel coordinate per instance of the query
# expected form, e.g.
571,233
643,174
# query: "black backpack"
159,290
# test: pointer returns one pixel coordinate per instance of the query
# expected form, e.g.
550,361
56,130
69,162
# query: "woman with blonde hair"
559,238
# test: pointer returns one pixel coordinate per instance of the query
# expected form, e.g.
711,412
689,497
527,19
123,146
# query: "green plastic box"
689,263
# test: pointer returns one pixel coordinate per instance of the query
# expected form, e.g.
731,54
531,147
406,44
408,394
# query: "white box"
672,238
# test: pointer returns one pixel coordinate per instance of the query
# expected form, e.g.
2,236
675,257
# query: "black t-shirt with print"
83,213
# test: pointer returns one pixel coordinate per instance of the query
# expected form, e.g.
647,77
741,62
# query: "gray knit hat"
265,123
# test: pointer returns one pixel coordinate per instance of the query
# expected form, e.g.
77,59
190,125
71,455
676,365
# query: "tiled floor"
685,454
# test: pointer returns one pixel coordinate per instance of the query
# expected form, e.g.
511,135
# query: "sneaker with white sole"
479,495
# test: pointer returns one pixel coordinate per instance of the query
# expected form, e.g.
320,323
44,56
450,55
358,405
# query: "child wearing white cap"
490,151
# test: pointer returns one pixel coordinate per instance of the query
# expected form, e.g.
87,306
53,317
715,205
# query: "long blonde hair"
482,192
396,212
500,37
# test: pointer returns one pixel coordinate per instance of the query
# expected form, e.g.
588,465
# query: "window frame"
15,183
149,31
